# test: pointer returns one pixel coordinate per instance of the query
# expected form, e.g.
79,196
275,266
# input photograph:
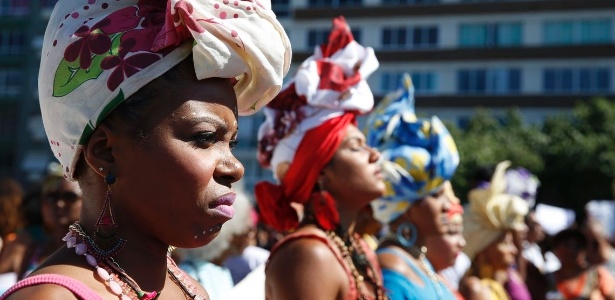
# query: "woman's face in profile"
430,213
175,180
353,172
502,252
61,204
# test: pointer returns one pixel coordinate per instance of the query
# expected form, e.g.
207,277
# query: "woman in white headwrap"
139,100
326,174
490,223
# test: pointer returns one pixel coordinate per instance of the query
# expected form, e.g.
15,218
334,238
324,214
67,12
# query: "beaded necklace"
115,277
354,255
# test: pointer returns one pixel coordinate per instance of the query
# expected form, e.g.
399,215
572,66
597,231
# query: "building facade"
538,55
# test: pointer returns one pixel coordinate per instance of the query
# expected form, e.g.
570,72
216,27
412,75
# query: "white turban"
98,53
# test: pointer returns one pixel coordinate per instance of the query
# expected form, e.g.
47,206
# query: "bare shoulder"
43,291
392,261
305,268
471,288
300,253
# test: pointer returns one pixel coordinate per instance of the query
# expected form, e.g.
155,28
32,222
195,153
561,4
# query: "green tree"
580,155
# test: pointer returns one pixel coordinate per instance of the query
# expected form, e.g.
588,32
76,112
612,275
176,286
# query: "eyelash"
208,138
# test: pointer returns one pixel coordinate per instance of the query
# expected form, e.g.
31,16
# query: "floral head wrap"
419,154
306,123
491,212
521,182
97,53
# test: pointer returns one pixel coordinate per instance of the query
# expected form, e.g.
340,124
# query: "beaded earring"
105,244
403,231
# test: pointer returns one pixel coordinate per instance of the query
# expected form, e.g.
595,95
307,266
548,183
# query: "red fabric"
339,37
315,151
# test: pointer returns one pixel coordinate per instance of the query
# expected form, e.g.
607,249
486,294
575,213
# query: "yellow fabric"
496,290
491,212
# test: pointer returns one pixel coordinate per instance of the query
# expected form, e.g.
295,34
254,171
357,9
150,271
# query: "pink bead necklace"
116,278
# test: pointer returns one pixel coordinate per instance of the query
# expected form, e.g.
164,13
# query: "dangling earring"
402,234
105,243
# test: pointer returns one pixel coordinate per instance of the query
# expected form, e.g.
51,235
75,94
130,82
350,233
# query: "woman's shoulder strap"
78,289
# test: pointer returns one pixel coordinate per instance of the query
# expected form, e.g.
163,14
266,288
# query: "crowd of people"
140,101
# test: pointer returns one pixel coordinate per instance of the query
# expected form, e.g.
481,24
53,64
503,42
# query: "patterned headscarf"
306,123
491,212
97,53
419,154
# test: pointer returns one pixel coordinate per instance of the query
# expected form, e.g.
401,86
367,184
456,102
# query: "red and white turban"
96,53
306,122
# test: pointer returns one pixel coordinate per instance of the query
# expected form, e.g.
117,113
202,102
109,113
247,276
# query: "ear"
98,151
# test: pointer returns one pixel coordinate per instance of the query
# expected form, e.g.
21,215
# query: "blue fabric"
398,287
422,149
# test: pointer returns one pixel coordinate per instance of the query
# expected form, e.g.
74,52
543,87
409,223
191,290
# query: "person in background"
207,264
577,278
447,247
140,100
243,255
368,227
326,174
419,157
11,221
490,224
11,197
60,205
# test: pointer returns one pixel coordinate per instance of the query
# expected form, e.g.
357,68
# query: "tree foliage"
572,154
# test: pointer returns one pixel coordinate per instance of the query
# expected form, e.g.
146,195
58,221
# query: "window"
568,32
424,82
581,80
318,37
8,121
12,41
406,2
334,3
490,35
11,82
15,8
493,81
281,8
414,37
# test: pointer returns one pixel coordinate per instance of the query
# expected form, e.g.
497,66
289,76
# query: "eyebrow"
212,119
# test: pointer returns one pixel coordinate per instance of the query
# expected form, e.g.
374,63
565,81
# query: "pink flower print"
90,42
183,14
126,67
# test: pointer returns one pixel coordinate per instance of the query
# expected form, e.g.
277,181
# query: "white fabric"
251,287
241,265
554,219
546,264
454,273
236,39
323,104
216,280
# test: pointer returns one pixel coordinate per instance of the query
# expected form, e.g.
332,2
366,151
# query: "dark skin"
166,182
318,274
429,217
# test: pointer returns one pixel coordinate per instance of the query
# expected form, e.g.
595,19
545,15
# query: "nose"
229,169
462,242
374,154
60,203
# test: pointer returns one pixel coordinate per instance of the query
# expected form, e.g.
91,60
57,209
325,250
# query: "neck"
144,260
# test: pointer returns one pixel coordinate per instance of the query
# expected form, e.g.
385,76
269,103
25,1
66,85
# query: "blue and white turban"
419,155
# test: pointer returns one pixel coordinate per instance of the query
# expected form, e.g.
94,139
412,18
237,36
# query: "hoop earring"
105,243
402,231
